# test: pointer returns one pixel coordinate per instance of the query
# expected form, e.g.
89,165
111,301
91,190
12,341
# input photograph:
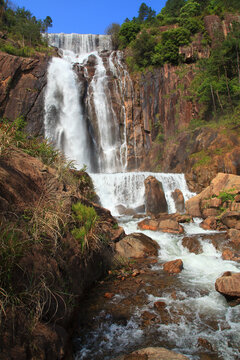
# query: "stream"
195,320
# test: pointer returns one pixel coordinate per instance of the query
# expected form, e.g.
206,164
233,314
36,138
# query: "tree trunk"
213,99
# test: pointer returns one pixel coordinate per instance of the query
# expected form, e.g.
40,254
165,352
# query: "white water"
69,119
128,189
201,310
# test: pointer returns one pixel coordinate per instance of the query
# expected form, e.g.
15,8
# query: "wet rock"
209,223
148,224
159,305
152,353
122,210
192,244
228,254
173,267
231,219
229,285
117,234
170,226
137,245
179,200
154,196
205,344
108,295
234,236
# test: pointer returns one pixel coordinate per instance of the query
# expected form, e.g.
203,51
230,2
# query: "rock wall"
22,83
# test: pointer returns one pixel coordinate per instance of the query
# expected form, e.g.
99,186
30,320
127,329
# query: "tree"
143,48
145,13
113,30
128,33
173,7
47,22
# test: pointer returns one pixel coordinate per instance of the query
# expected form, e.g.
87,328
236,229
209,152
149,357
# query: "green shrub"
227,195
86,218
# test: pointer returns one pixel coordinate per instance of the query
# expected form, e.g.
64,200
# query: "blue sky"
86,16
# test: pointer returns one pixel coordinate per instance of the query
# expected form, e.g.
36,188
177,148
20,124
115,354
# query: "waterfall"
81,117
128,189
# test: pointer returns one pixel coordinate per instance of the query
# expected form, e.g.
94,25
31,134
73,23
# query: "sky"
86,16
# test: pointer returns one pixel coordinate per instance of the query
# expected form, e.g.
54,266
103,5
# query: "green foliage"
172,8
143,48
168,49
145,13
113,30
227,195
128,33
22,28
217,81
86,218
12,135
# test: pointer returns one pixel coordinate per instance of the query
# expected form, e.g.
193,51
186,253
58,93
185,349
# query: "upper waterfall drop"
81,117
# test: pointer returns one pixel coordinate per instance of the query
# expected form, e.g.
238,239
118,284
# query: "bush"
128,33
86,218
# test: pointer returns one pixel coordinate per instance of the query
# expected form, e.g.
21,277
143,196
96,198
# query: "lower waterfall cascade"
82,121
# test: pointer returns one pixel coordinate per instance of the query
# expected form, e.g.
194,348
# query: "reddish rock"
222,182
215,202
152,353
237,198
108,295
228,285
148,224
192,244
234,236
179,200
155,200
211,212
205,344
137,245
234,206
159,305
231,219
228,254
173,267
209,223
170,226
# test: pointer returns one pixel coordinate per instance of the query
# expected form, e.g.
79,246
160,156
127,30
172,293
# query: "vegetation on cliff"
20,31
54,242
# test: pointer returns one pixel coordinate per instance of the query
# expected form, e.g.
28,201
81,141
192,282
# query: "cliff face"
22,83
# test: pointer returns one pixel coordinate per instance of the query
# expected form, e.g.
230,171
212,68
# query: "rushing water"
196,311
82,121
80,117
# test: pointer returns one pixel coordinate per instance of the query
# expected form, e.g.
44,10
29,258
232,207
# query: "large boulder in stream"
173,267
137,246
155,200
153,353
179,200
169,225
229,286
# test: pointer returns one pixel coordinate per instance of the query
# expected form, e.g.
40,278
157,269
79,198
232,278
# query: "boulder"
179,200
155,200
148,224
209,223
153,353
222,182
192,244
234,236
170,226
173,267
229,285
228,254
231,219
137,246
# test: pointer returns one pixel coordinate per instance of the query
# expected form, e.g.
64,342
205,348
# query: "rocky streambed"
144,303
